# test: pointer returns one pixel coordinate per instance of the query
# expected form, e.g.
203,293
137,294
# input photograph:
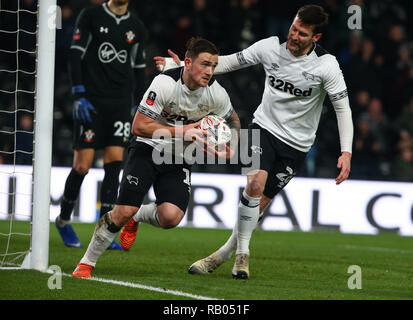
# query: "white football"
220,133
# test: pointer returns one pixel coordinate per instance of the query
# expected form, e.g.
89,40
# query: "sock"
148,214
70,194
104,234
110,185
225,252
248,213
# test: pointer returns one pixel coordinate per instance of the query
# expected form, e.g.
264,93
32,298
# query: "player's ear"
188,63
317,37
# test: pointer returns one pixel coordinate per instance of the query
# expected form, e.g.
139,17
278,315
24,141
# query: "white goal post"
37,188
43,134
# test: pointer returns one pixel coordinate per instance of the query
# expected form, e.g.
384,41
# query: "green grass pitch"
283,265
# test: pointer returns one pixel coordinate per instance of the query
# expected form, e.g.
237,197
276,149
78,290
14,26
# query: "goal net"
26,105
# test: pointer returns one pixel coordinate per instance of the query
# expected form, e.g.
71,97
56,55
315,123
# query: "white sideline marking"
141,286
378,249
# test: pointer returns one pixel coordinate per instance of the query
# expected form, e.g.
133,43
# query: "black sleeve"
138,60
81,38
83,30
75,67
138,57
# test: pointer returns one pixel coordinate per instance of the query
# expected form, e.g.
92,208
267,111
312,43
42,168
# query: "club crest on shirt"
275,66
150,100
132,179
130,36
89,135
309,76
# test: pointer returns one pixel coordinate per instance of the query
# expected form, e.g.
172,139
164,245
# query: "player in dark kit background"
106,56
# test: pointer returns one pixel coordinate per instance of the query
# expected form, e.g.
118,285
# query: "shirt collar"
114,16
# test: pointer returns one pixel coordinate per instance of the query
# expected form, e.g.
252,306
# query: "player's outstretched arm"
163,63
225,63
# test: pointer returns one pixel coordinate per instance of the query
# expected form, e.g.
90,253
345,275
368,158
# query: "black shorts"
110,126
277,158
171,182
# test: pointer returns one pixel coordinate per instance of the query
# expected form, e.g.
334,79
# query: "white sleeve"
333,79
248,57
344,123
153,100
170,64
336,88
257,52
225,63
230,63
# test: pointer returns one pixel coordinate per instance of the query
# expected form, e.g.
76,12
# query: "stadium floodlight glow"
39,254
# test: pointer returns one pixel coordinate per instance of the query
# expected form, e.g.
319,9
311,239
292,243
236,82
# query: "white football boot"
206,265
241,266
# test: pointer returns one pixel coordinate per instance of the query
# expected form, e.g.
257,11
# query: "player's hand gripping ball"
220,133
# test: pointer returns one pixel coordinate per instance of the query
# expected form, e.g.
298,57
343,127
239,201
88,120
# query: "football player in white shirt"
298,75
175,102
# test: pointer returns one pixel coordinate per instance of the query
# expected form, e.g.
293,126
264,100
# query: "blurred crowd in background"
377,62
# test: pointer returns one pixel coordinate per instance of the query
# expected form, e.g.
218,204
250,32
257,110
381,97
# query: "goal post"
27,63
43,134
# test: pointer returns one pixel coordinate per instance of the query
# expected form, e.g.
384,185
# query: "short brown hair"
197,45
315,16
